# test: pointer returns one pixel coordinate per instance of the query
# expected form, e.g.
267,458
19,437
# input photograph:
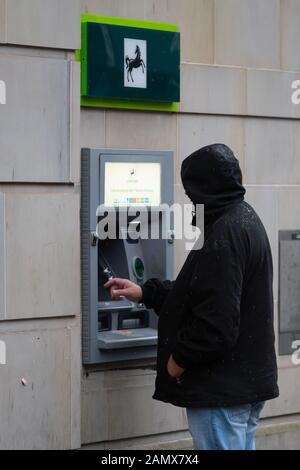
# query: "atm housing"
114,331
289,291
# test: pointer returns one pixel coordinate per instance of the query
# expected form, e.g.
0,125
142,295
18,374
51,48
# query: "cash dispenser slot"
132,330
122,304
139,319
132,337
117,330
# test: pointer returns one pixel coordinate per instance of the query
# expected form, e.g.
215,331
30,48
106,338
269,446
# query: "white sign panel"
135,63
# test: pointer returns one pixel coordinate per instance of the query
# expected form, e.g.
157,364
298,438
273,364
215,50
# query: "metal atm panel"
289,290
114,331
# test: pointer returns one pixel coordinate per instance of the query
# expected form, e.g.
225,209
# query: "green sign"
130,64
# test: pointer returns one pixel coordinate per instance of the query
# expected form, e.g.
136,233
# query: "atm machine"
131,190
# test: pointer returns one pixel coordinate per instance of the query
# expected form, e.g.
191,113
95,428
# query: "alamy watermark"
2,353
162,222
295,358
296,94
2,92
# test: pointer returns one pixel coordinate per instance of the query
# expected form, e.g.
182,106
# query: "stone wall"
39,224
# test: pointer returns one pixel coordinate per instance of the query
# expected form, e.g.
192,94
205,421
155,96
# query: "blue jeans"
230,428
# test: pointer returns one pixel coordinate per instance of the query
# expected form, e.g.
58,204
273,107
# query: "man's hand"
174,370
124,288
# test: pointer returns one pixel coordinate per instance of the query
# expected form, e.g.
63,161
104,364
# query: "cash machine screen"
132,183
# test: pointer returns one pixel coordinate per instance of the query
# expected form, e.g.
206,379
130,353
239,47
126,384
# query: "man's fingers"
116,293
113,282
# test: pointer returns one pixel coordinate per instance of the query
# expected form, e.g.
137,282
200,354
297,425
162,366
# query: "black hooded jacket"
216,319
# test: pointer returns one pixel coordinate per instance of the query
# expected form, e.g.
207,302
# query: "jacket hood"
212,176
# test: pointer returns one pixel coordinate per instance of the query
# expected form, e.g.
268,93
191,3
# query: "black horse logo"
134,63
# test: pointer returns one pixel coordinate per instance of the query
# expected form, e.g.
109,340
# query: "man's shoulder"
235,227
237,219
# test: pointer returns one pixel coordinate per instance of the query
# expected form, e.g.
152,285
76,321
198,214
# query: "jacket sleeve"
154,292
212,328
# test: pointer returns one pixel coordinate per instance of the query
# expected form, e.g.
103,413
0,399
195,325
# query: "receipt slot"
130,190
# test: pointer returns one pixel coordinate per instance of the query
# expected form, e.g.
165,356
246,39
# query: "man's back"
217,319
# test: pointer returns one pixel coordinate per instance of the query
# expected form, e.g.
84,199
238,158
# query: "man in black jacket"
216,354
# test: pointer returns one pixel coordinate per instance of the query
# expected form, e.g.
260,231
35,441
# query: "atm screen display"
132,184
